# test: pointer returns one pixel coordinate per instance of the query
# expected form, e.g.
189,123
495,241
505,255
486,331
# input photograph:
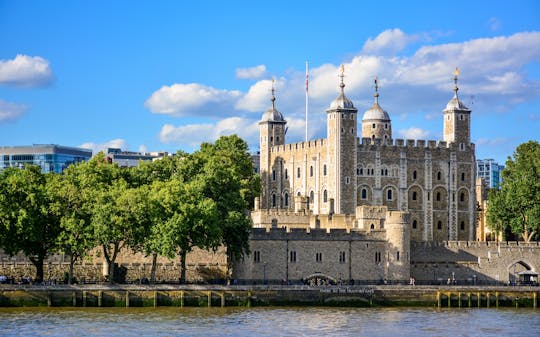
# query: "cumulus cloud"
414,133
389,42
11,111
493,70
191,99
25,71
251,73
114,143
194,134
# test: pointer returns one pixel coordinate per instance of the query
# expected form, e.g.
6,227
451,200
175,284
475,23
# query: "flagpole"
307,86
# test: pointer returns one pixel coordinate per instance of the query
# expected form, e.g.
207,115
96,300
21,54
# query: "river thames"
268,321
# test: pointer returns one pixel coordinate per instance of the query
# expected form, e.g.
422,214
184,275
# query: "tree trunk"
70,273
153,270
38,263
183,254
110,264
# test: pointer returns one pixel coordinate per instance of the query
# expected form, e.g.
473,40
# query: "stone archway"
516,269
319,279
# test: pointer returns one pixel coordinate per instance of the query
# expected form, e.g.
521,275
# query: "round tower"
272,133
398,237
376,123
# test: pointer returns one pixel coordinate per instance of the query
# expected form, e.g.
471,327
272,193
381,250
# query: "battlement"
475,244
419,143
300,146
310,234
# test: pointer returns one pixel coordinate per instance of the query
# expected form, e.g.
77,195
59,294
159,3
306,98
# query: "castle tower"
398,236
342,152
457,119
376,123
272,132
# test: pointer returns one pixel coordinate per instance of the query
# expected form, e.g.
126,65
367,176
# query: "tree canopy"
517,204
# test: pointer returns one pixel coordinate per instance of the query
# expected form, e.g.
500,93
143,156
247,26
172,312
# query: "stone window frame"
292,256
256,256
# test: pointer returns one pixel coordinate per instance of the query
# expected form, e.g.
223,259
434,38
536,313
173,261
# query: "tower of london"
380,191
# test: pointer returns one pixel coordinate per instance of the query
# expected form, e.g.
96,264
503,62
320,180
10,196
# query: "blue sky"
166,75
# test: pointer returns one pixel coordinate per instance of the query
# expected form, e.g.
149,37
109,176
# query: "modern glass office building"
490,170
50,157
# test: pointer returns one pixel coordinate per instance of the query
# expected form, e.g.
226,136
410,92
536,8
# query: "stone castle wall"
473,261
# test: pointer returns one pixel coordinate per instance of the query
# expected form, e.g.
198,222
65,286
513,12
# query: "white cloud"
11,111
194,134
251,73
414,133
191,99
25,71
493,70
114,143
389,42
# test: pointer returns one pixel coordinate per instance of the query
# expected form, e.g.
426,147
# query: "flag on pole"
307,77
307,86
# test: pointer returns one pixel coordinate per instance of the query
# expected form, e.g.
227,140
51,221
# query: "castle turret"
272,133
398,236
376,123
342,151
457,119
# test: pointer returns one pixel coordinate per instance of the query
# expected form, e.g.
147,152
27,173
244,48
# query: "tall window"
311,197
414,224
414,195
438,175
286,199
389,194
292,256
318,257
462,197
286,174
256,256
439,225
311,171
325,196
298,173
364,194
273,175
273,200
462,225
414,175
324,169
342,257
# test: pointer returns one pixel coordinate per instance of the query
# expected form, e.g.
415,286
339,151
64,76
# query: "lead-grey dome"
342,102
456,104
376,113
272,114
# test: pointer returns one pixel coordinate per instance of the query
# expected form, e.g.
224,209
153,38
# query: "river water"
268,321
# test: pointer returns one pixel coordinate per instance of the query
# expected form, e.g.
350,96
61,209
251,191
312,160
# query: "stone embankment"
266,295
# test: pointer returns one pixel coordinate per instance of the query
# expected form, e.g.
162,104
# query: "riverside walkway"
125,295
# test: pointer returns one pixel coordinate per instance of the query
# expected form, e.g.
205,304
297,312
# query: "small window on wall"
347,180
414,175
318,257
414,224
292,255
324,169
438,175
389,195
386,126
462,225
273,200
462,197
439,225
364,194
286,174
397,256
256,256
286,199
311,171
438,196
414,196
273,175
298,173
373,126
342,257
325,196
311,197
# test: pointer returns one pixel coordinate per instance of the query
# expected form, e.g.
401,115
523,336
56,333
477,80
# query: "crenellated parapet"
311,234
300,146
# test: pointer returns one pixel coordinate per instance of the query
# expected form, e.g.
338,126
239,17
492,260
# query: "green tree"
517,204
230,180
26,221
188,220
71,206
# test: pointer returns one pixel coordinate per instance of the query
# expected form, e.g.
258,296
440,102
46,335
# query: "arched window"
438,197
286,199
324,169
414,175
389,194
361,171
311,171
414,224
311,197
372,226
273,175
462,197
286,174
414,195
373,126
273,200
298,173
438,175
364,194
325,196
463,176
439,225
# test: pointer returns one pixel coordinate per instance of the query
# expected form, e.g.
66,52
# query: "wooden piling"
222,295
155,299
127,299
100,298
438,299
84,298
209,294
49,299
181,298
74,298
487,300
